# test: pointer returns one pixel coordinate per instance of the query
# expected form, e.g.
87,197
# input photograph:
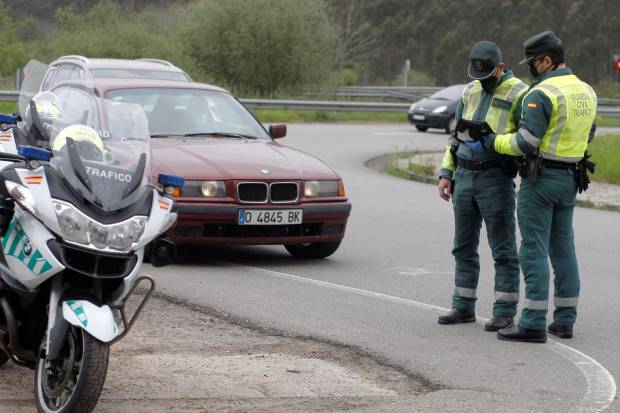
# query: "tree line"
277,47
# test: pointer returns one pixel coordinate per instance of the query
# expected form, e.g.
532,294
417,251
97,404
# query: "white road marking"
601,386
404,133
418,271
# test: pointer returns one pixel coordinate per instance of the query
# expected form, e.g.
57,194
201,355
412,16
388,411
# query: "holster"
581,173
532,168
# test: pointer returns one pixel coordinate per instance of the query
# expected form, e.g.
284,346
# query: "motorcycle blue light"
171,180
8,119
34,153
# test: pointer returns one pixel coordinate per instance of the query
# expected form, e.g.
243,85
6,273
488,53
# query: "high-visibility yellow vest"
500,116
503,104
572,115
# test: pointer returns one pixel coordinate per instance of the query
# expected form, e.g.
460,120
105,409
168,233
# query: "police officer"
556,125
484,189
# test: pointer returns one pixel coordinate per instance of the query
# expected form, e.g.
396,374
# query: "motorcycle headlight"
123,236
321,188
440,109
79,228
22,195
73,225
98,235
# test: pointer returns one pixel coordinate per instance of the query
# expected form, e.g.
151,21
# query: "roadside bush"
14,52
107,31
260,47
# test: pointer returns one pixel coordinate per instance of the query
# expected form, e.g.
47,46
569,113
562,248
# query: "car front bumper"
430,120
217,224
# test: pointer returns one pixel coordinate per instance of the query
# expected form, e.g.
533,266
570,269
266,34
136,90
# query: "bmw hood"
225,159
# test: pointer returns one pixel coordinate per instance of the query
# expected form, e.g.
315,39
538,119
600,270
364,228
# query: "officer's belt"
557,164
479,165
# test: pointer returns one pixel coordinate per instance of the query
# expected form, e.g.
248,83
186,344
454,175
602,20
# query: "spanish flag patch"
163,204
34,180
531,105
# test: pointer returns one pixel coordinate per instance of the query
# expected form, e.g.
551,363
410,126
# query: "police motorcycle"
71,254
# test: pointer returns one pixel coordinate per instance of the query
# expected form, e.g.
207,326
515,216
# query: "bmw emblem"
27,248
265,171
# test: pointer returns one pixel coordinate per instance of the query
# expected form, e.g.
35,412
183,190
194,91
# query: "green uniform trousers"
545,213
490,196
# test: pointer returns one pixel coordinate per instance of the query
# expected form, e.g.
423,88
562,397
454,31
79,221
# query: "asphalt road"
383,290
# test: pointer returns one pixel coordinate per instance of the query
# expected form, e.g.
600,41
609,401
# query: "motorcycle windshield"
100,146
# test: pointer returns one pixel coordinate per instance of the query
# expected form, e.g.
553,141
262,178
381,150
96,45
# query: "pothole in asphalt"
179,358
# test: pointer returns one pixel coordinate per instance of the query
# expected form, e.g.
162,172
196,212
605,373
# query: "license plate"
419,117
270,216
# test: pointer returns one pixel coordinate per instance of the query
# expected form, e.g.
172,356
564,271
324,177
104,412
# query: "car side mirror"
277,130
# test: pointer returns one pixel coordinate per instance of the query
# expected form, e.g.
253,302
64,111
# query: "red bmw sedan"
241,185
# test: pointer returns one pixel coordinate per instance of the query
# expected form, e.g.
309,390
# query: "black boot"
456,316
498,322
516,333
560,331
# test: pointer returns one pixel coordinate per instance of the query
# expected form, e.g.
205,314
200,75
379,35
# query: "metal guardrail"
9,95
606,110
326,105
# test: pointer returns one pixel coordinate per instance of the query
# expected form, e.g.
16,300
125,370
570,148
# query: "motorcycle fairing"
26,251
97,321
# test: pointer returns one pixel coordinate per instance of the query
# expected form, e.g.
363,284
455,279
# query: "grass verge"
605,152
8,107
608,121
300,116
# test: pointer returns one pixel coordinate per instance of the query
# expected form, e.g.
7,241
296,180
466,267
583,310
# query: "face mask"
489,83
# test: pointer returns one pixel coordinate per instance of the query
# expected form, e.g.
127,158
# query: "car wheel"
313,250
451,125
421,128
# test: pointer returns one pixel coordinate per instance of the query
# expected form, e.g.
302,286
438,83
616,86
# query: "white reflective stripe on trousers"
503,296
465,292
565,301
536,305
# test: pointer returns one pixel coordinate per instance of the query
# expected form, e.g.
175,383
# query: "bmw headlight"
440,109
73,225
323,188
208,189
79,228
98,235
123,236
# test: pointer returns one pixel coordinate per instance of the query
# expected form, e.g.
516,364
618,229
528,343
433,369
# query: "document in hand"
471,130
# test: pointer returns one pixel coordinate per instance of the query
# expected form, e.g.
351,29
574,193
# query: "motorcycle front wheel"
74,383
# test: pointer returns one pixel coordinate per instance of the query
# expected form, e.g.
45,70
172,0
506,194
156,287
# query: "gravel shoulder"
180,358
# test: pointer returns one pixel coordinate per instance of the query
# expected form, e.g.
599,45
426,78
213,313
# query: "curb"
379,163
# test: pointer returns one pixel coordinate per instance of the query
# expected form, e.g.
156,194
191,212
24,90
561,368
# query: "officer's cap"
483,59
539,45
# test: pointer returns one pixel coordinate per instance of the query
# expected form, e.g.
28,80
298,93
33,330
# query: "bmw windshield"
99,146
191,112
